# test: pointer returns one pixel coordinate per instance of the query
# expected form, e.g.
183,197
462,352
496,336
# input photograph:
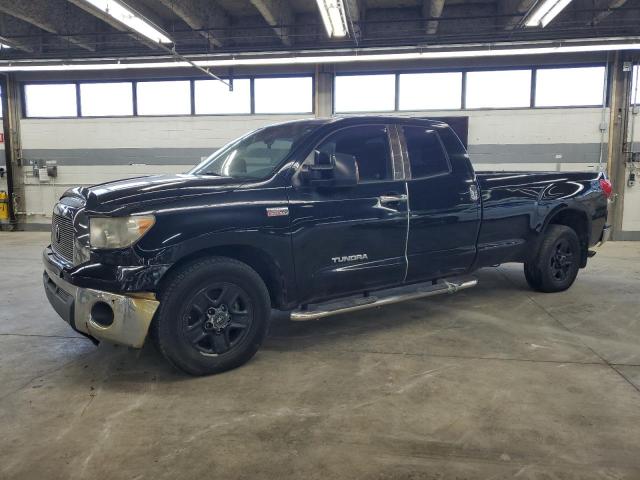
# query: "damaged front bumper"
117,318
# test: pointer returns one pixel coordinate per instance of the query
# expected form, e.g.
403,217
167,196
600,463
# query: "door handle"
392,198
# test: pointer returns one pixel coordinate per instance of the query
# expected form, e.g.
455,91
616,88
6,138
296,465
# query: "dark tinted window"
370,147
426,154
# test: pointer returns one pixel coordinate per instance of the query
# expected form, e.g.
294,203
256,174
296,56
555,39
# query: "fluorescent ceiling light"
352,56
131,19
545,12
334,17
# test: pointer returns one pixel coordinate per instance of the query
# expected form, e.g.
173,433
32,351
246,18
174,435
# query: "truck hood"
142,192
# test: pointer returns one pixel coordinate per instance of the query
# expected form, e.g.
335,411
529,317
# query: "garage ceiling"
40,29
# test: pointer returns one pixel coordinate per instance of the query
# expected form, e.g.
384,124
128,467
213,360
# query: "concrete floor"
495,382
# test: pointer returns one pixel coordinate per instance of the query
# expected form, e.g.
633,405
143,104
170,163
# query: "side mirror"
345,170
337,170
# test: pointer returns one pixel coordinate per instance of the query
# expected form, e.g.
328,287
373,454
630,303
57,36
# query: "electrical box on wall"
44,170
52,168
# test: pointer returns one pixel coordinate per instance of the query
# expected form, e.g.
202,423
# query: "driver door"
349,239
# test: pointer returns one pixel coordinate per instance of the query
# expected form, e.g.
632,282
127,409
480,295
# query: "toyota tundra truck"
313,217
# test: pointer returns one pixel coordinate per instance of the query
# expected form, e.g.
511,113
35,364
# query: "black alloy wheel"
556,262
561,261
217,318
213,315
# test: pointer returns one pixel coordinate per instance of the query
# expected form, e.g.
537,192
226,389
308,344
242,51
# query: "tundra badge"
350,258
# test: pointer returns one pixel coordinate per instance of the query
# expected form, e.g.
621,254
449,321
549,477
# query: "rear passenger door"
444,205
349,239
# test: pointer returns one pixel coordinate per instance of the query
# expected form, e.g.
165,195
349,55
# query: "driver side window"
369,145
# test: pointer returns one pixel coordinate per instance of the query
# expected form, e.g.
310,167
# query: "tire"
555,266
213,316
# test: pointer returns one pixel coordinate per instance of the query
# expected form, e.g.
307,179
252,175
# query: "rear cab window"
427,155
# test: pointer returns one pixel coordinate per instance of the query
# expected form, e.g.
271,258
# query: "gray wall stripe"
532,153
120,156
630,235
537,153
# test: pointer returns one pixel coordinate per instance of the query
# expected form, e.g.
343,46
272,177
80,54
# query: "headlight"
118,232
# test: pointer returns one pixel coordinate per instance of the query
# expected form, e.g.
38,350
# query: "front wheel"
213,316
555,266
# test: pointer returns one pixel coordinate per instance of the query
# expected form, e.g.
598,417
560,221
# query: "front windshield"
256,155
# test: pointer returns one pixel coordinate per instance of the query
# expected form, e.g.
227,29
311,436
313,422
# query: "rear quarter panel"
517,206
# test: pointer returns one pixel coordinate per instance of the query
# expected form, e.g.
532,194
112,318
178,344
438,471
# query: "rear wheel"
213,316
555,266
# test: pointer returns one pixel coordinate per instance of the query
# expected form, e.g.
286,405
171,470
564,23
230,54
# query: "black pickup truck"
314,217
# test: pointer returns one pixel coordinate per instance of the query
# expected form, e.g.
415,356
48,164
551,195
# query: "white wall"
92,151
141,132
557,139
67,139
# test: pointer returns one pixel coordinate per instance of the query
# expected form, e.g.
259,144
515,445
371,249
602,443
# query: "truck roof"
368,119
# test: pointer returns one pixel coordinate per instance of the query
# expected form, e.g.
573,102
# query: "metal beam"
12,148
16,44
53,16
610,8
12,27
432,9
620,90
275,13
201,15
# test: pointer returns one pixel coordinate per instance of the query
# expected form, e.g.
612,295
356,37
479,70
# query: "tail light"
606,187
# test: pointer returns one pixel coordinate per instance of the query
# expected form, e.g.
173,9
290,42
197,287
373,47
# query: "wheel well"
577,221
258,259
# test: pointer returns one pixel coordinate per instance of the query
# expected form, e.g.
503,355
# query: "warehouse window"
283,95
365,93
164,98
50,100
430,91
563,87
499,89
106,99
214,97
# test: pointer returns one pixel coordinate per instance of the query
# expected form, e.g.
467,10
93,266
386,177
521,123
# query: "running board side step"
383,297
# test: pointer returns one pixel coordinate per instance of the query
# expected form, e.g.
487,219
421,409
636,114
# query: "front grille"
62,236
